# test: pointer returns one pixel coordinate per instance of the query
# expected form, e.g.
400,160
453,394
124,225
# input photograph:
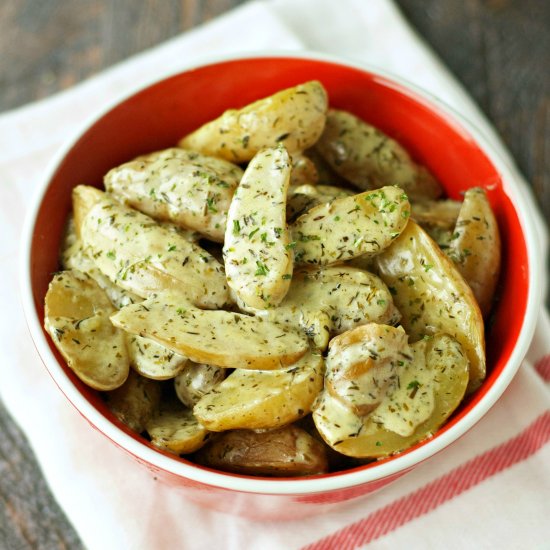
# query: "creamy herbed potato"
257,252
184,187
369,159
238,301
294,118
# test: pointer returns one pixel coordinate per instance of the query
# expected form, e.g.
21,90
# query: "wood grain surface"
499,50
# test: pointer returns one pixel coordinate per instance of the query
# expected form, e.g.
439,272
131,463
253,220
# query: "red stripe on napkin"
542,366
437,492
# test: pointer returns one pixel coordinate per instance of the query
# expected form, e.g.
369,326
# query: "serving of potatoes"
283,286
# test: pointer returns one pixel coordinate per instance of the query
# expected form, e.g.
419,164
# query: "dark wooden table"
499,49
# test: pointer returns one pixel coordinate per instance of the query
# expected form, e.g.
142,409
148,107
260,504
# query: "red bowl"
156,117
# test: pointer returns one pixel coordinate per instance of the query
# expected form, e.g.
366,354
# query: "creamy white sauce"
258,258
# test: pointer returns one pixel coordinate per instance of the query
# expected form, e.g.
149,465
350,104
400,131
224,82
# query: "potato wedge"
74,257
285,452
195,381
431,214
369,159
263,399
436,377
303,170
437,218
135,402
258,259
294,117
146,356
84,198
188,234
139,255
325,174
76,316
475,247
153,360
184,187
174,429
432,296
302,198
349,227
363,365
220,338
328,301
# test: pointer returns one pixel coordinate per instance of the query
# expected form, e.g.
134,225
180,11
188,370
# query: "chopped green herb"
262,269
210,203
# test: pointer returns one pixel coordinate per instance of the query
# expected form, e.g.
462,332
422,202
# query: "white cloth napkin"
489,490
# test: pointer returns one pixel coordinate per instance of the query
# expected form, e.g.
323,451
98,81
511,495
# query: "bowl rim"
340,480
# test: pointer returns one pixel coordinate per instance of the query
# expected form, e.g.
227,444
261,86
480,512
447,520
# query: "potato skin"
468,234
368,158
143,257
362,363
153,360
174,428
184,187
475,247
263,399
350,227
76,316
209,337
294,117
303,170
195,381
258,260
135,402
365,437
330,300
302,198
285,452
432,296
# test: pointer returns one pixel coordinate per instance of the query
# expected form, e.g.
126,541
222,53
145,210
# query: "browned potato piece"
294,117
76,316
436,378
135,402
185,187
220,338
174,429
143,257
262,399
285,452
432,296
368,158
475,246
349,227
